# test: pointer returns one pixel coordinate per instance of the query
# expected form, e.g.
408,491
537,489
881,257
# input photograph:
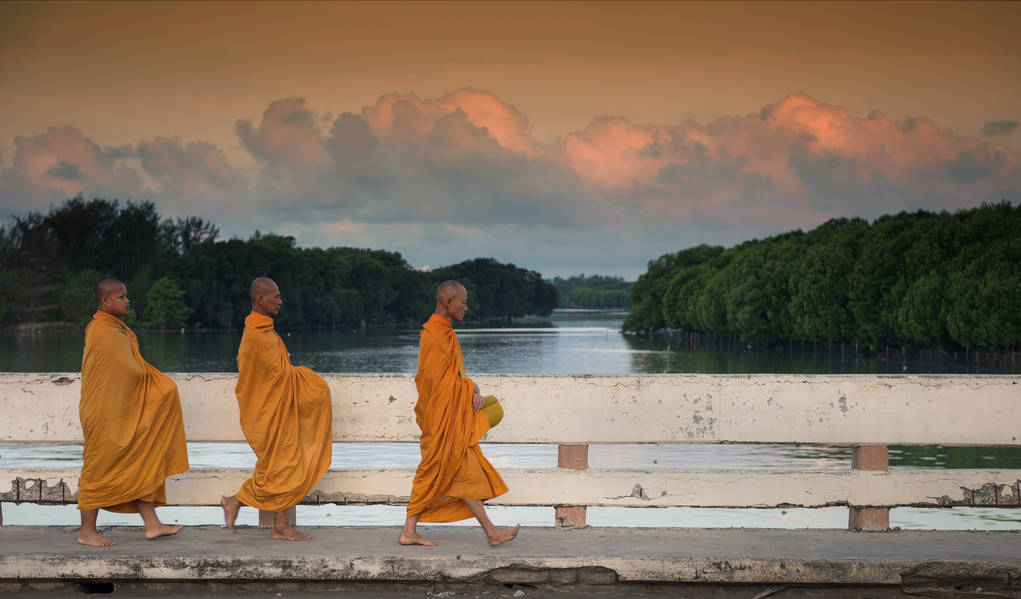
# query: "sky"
565,137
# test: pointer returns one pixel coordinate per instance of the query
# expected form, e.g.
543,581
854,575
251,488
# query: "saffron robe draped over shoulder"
131,422
287,418
453,467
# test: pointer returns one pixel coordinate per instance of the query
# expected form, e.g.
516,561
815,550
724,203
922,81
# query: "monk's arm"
478,402
109,377
114,360
262,355
440,367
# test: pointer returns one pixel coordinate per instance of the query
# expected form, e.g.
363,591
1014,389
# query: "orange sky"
123,73
127,70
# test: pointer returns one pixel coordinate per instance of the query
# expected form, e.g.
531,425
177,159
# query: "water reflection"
745,456
346,456
720,457
568,342
681,353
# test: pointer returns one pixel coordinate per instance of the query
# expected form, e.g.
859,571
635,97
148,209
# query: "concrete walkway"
913,561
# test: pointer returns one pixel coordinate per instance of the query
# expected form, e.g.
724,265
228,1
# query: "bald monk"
286,415
453,478
131,424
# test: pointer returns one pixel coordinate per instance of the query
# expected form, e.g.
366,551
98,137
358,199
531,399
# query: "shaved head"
451,301
448,289
106,288
261,286
112,298
265,296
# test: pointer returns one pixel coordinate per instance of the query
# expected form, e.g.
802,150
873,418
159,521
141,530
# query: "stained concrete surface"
443,591
542,562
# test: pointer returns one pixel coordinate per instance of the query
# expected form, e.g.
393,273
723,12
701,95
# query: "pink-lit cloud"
797,161
402,116
60,163
467,159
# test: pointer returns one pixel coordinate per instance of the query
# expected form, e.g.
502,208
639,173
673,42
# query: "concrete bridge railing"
866,412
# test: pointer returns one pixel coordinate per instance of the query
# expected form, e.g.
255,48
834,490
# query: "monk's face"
458,306
269,303
116,302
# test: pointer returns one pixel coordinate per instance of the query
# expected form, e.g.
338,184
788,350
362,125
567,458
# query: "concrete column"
267,519
874,458
571,457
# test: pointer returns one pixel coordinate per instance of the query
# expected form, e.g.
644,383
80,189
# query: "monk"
286,415
131,424
453,478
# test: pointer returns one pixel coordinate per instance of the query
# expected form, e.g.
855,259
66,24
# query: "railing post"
571,457
873,458
268,519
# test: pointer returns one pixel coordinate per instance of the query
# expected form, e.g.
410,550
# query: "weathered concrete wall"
949,410
624,488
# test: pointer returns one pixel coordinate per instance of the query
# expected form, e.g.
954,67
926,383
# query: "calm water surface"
570,342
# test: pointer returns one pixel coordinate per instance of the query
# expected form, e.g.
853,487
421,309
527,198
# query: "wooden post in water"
571,457
869,519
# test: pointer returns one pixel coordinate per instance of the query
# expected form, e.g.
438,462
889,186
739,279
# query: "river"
568,342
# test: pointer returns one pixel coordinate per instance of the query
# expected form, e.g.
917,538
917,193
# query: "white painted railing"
867,412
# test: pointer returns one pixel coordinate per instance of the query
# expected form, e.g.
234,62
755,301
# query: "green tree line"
919,279
180,273
595,291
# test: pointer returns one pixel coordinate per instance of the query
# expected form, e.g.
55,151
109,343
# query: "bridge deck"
912,560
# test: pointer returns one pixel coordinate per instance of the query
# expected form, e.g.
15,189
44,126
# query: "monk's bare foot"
231,506
161,530
94,539
408,538
288,534
499,536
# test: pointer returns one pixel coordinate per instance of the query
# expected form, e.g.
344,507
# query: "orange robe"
453,467
287,417
131,422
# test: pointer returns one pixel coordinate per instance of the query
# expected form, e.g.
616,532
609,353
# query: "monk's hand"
478,402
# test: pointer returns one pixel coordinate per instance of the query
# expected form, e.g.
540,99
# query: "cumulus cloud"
464,157
973,164
48,168
288,136
52,166
413,170
398,116
796,162
194,173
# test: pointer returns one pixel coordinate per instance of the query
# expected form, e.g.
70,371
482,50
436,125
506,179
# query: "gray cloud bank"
999,127
457,176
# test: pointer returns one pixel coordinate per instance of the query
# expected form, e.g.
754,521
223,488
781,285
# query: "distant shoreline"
37,327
